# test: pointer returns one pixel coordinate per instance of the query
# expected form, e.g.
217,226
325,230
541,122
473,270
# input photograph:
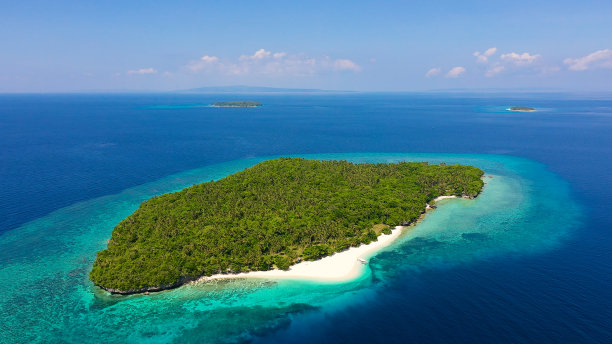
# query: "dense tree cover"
239,103
270,215
522,108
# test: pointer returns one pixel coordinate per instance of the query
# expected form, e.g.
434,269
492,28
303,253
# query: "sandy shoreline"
444,197
339,267
521,110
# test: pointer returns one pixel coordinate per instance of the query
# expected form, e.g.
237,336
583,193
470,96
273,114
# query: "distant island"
521,108
240,103
270,216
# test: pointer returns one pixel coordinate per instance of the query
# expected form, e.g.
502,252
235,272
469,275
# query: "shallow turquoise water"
44,264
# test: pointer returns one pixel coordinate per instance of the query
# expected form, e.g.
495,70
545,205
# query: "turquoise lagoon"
44,265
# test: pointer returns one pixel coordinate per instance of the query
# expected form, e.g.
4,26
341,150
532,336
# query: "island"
270,216
521,108
240,103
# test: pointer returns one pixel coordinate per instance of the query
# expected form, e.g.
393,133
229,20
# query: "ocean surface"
528,261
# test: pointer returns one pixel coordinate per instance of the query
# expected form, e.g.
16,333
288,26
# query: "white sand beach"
444,197
339,267
510,109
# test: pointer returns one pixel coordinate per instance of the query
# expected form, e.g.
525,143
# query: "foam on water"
524,209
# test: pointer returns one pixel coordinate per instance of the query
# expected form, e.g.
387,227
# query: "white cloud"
433,72
598,59
264,62
494,70
455,72
523,59
490,51
209,59
142,71
511,62
344,64
261,54
202,63
484,57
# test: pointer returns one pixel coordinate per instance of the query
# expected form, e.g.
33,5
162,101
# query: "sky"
81,46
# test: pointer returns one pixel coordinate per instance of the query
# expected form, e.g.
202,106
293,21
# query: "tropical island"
239,103
521,108
270,216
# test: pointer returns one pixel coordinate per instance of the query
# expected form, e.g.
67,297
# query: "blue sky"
59,46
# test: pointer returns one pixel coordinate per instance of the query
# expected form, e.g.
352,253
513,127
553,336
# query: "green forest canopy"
270,215
238,103
522,108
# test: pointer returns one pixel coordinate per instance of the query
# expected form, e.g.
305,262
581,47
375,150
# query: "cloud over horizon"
484,57
598,59
455,72
142,71
523,59
512,62
344,64
433,72
264,62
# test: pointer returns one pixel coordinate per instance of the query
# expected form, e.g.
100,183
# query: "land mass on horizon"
521,108
270,216
237,103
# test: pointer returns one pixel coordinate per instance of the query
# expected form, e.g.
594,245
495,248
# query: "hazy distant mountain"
251,89
495,90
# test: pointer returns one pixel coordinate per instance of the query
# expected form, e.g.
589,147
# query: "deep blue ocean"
537,269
